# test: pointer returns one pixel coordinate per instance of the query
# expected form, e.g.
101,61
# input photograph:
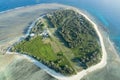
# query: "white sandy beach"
79,75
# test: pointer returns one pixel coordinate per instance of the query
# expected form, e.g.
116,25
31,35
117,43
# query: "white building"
32,34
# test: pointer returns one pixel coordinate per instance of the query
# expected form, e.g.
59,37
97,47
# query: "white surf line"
24,36
103,62
82,73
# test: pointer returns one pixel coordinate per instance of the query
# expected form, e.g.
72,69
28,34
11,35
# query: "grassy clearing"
37,47
42,50
71,44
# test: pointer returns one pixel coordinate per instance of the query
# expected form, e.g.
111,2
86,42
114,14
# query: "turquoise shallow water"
106,11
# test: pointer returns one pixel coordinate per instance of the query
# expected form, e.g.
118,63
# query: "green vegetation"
38,28
44,53
78,34
64,41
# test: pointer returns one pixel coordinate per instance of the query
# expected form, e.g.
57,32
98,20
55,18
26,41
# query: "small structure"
44,34
32,35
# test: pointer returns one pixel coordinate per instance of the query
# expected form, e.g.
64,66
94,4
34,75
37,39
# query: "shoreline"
112,43
24,36
16,22
83,72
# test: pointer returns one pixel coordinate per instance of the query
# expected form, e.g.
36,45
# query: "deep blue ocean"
106,11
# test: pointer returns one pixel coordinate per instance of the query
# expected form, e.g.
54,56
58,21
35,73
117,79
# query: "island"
64,41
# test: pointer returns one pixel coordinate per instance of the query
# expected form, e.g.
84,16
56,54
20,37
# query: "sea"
106,11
